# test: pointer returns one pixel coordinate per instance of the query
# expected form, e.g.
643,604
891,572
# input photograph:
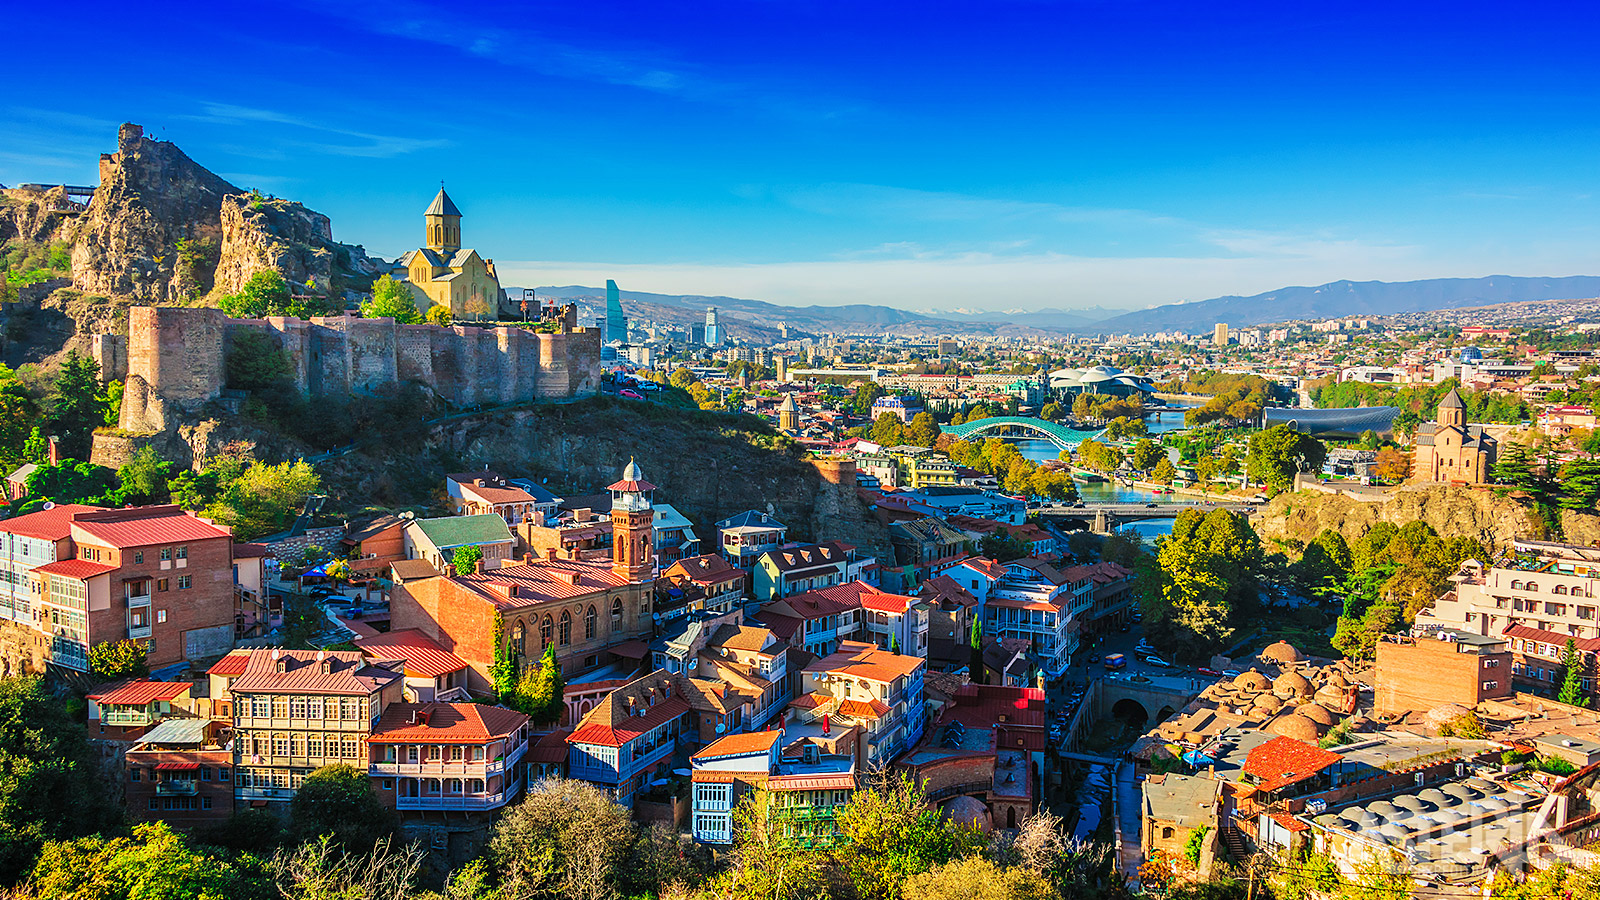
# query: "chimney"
550,554
478,567
55,450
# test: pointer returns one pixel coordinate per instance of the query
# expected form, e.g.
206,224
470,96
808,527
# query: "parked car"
1207,670
1144,646
1158,662
631,394
1230,673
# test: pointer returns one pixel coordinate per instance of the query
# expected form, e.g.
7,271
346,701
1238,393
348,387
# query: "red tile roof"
740,744
986,566
859,660
985,705
423,658
1588,645
52,524
511,587
350,673
250,551
863,709
74,568
705,570
895,603
631,727
231,665
145,526
497,494
445,723
833,782
549,748
138,693
1283,761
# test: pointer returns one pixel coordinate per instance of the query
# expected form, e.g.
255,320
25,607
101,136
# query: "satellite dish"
48,505
721,728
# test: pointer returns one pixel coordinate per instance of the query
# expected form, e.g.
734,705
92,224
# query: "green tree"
1163,472
1325,561
771,862
51,790
923,430
438,315
260,499
1146,453
1580,484
1515,466
339,800
976,878
264,294
77,405
565,839
465,560
540,689
1052,411
887,431
74,482
322,869
1277,454
154,863
867,392
681,378
1572,684
110,660
393,299
144,478
255,362
36,449
891,833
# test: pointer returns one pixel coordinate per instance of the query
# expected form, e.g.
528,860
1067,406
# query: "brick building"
593,610
181,772
1454,667
1450,450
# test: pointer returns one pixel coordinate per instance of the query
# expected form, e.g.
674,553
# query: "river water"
1105,492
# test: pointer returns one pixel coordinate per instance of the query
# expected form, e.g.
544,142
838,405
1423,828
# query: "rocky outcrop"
1452,511
163,228
268,233
150,197
38,216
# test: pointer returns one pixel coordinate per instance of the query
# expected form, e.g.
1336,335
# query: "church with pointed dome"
1450,451
443,273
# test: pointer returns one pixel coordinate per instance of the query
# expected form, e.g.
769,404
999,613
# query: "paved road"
1128,806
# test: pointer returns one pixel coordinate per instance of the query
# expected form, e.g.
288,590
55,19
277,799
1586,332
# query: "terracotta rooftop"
423,657
706,570
510,587
860,660
52,524
635,708
139,692
144,526
740,745
231,665
445,723
348,673
74,568
1283,761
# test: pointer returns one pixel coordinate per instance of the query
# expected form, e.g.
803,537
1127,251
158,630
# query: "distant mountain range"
759,320
1348,298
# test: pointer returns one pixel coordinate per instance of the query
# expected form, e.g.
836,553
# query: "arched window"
519,638
1530,586
616,610
1516,585
1560,589
566,628
547,632
589,619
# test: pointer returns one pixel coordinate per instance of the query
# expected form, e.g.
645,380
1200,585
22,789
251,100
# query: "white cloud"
365,144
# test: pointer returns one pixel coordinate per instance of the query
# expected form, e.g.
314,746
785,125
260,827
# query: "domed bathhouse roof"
1295,726
968,811
1317,713
1291,684
1283,653
1252,680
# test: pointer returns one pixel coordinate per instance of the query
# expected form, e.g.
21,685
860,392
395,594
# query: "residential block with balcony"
878,691
438,757
630,737
1035,601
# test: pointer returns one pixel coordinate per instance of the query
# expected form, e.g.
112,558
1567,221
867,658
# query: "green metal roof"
450,532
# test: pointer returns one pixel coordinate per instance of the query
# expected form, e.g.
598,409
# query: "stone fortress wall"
176,360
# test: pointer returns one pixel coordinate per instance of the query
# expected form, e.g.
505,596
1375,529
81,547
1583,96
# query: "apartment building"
1035,601
181,772
708,584
878,691
804,567
448,757
1448,667
27,542
805,787
742,538
298,710
1547,589
629,738
126,709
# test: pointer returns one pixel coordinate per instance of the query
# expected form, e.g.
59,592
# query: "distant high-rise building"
713,330
616,322
1220,335
697,333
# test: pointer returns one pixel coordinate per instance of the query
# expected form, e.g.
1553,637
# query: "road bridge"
1103,518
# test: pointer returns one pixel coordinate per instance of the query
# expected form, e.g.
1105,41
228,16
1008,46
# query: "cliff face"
38,217
1451,510
152,196
284,235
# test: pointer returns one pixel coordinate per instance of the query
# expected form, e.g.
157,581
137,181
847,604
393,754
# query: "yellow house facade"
443,273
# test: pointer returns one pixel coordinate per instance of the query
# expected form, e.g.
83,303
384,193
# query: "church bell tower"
632,527
443,225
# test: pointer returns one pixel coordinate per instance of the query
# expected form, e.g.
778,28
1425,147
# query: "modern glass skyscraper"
616,322
713,330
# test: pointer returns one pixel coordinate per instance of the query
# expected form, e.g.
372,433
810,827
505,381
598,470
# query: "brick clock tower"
632,527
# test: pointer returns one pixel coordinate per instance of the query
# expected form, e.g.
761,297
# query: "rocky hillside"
162,228
1450,509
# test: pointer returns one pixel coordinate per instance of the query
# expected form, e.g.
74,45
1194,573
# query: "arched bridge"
1023,426
1103,518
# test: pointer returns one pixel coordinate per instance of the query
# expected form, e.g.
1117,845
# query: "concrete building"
1219,335
1174,806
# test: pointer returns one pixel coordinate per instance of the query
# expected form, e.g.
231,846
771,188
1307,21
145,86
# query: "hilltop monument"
442,273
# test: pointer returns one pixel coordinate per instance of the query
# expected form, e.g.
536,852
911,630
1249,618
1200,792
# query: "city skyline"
1015,157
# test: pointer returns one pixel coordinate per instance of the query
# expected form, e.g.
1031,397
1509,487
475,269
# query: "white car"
1158,662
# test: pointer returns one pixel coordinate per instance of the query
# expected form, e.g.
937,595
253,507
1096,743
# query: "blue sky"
996,155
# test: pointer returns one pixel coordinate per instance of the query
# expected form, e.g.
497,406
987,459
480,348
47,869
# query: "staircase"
1234,841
